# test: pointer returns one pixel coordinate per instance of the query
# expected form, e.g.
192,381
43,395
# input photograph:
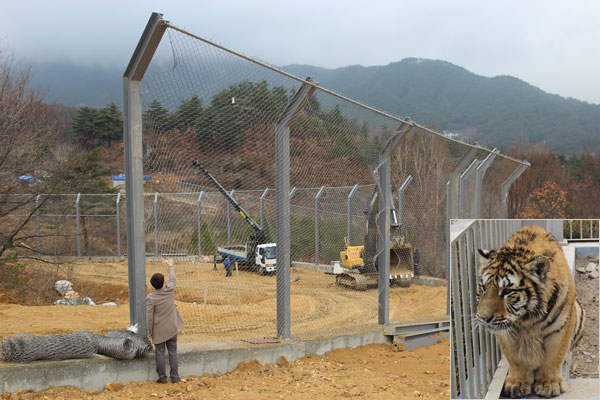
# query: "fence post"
462,188
448,247
200,197
506,187
132,135
349,216
408,180
317,197
282,205
452,195
229,219
385,203
37,223
118,205
156,224
479,182
77,216
262,208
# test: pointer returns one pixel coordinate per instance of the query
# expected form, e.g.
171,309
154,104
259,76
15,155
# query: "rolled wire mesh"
120,344
24,347
140,343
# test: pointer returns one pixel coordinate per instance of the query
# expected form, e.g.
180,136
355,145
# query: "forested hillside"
494,111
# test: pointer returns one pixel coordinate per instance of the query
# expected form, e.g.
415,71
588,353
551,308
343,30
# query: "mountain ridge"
494,110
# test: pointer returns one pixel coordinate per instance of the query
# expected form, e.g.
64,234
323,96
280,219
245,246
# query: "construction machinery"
259,251
359,269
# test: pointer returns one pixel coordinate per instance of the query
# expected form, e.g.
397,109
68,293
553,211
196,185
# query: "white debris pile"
70,297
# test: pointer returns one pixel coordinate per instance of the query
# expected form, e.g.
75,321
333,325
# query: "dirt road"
219,308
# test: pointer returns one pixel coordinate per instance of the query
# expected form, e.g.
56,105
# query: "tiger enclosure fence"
475,353
311,168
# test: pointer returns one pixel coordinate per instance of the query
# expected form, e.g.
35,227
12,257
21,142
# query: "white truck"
264,258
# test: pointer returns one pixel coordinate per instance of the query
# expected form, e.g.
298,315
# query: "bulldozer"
358,265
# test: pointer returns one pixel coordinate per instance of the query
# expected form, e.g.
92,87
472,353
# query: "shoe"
175,380
161,381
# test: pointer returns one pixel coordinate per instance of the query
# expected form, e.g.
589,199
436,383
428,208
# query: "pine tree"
86,127
189,114
110,123
156,118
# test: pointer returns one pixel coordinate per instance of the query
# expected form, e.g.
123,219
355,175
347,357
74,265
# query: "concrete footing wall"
194,359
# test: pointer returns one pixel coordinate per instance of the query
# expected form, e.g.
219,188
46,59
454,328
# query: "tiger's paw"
515,388
549,387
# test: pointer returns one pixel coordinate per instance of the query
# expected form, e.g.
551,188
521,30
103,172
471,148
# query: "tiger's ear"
485,255
538,266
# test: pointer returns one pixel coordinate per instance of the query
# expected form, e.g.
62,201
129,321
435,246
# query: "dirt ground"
219,308
244,306
377,371
585,356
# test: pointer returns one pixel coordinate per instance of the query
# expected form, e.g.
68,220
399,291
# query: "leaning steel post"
401,191
317,198
282,206
462,188
385,203
132,134
349,213
199,202
506,187
479,182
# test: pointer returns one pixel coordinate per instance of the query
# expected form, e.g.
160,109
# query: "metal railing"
475,354
581,229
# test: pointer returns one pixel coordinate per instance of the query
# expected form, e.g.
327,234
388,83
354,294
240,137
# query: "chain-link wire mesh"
221,110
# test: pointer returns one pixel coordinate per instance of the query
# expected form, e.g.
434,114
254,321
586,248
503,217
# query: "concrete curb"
194,359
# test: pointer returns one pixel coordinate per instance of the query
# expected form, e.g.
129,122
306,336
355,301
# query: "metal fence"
255,127
475,354
581,229
252,126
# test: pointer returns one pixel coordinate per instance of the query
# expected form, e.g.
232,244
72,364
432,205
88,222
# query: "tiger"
526,297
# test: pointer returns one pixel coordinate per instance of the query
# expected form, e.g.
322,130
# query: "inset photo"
524,309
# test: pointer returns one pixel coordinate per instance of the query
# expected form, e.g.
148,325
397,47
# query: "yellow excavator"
358,265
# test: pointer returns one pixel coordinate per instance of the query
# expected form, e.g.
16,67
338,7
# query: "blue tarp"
26,179
122,177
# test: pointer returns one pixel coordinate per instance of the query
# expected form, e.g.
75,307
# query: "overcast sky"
554,45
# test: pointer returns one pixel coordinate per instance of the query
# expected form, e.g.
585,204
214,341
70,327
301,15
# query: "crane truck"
258,252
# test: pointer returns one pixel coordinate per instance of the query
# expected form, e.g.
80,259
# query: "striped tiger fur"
526,297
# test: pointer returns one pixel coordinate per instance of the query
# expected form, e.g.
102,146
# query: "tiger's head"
509,288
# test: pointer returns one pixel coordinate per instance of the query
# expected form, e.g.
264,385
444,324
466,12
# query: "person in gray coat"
164,322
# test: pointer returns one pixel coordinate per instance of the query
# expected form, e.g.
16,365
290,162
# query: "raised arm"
172,277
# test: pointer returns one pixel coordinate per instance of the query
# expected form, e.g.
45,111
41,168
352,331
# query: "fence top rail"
405,120
183,183
460,226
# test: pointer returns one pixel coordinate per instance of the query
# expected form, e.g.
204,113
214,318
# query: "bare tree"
28,132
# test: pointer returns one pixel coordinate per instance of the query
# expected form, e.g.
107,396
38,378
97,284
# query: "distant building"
119,180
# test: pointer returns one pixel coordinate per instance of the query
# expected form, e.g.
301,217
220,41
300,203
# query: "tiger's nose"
486,318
